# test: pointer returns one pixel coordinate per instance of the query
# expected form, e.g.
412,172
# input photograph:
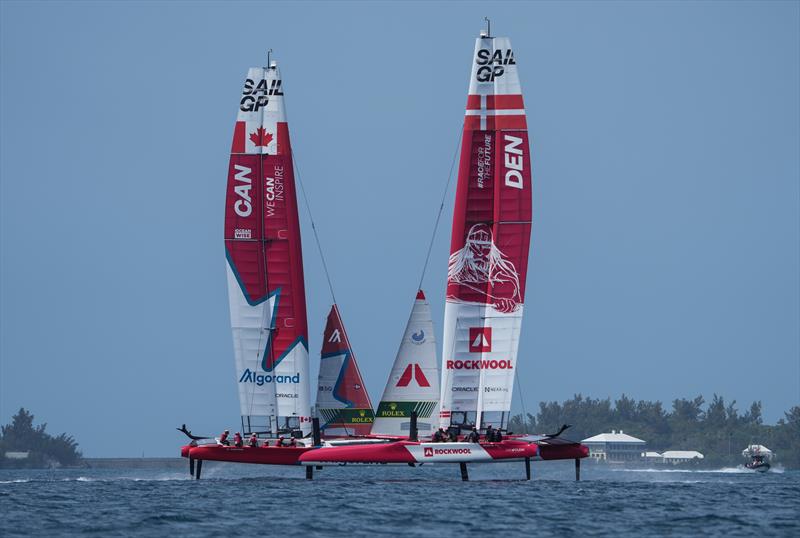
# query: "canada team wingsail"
265,265
489,243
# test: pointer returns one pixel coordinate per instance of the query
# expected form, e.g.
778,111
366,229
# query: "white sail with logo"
413,383
489,243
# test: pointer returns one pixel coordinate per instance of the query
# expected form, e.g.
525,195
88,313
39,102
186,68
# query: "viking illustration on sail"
482,267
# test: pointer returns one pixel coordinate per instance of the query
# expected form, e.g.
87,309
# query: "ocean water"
249,500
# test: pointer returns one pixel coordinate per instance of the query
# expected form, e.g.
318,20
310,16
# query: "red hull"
397,452
285,455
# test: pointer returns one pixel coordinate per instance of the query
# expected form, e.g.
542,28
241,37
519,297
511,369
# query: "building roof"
682,454
652,455
613,437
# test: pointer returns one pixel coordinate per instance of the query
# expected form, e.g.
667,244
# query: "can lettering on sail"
243,206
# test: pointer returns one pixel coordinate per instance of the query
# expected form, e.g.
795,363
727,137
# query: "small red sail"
343,403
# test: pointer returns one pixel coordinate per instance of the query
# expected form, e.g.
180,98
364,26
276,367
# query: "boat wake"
724,470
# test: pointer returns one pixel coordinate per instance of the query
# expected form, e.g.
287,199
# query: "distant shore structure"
615,447
681,456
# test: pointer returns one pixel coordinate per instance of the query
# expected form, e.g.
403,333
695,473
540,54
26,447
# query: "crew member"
237,440
473,436
498,435
223,439
452,436
438,437
253,440
293,442
279,442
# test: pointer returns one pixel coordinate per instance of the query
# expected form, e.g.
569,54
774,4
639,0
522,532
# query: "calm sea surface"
242,500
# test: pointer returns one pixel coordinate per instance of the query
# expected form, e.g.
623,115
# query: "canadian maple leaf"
261,137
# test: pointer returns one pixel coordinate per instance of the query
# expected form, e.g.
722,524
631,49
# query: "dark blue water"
261,501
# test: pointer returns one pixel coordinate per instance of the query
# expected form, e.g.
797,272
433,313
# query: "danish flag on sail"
490,241
264,263
343,403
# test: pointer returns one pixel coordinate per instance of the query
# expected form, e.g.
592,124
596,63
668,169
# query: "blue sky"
665,255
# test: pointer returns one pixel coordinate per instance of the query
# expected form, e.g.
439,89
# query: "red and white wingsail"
343,403
490,242
264,263
413,383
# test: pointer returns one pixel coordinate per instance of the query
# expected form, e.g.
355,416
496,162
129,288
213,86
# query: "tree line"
44,449
718,430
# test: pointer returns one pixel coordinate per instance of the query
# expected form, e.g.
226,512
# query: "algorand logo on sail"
260,379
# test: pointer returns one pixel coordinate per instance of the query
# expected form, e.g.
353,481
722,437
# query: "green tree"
22,435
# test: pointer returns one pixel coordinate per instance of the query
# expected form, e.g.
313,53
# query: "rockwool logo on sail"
480,339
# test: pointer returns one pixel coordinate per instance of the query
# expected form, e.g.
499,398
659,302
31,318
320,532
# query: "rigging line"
313,227
441,207
522,401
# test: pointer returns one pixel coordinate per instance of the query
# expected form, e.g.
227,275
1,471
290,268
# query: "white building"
653,457
615,447
681,456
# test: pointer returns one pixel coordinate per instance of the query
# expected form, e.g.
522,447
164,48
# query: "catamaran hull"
409,452
399,452
272,455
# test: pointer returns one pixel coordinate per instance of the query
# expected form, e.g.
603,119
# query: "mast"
489,243
266,289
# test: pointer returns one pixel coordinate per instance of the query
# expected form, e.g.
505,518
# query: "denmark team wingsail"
413,384
343,403
489,244
265,265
